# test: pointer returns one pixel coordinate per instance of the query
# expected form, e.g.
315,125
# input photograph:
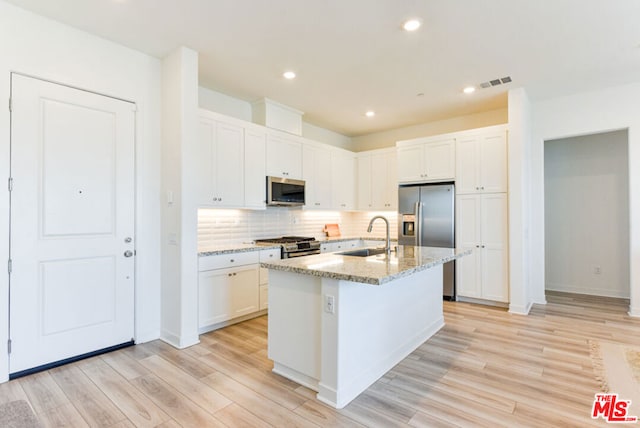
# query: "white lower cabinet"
231,286
482,226
227,293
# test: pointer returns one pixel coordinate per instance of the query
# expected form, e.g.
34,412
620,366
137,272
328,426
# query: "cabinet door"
379,178
467,166
316,167
440,160
254,169
494,226
411,167
391,198
204,166
468,224
364,183
493,161
229,165
284,157
214,298
245,291
343,174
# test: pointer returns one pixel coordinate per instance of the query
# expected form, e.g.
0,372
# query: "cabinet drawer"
269,255
228,260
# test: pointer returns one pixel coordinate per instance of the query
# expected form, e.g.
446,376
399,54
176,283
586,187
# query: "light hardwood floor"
484,368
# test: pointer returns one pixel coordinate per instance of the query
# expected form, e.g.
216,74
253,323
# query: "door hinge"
9,346
10,185
10,266
10,106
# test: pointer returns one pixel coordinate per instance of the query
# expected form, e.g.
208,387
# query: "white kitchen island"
338,323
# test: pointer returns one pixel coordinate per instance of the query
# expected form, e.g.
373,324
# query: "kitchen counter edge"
356,262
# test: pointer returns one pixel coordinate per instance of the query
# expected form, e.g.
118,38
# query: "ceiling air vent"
495,82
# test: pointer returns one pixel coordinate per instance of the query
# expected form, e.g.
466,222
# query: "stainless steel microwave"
285,192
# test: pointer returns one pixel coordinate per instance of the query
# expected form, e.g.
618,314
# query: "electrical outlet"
329,304
597,270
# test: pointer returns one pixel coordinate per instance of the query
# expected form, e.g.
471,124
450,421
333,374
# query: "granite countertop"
214,250
375,270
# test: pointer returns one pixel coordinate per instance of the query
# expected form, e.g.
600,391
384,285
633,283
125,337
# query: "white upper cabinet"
221,163
316,169
343,180
426,160
255,171
377,180
284,157
481,160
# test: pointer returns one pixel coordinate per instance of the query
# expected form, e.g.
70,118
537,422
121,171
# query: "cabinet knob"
477,246
317,203
232,260
482,188
482,246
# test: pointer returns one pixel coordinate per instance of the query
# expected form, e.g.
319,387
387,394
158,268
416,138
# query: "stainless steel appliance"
426,218
293,246
285,192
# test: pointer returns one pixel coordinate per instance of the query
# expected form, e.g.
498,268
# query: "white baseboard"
179,342
564,288
296,376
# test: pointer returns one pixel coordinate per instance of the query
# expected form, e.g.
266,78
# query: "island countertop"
375,270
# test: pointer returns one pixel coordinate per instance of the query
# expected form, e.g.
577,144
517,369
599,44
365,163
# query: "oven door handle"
302,253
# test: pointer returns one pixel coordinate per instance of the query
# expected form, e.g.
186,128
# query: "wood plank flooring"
484,368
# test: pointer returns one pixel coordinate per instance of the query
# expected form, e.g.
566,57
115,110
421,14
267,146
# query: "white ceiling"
352,56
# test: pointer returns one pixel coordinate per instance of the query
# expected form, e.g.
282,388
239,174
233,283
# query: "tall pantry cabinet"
482,214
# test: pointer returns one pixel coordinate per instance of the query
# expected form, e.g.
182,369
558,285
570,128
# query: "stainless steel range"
294,246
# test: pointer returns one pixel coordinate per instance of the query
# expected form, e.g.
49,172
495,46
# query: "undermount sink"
363,252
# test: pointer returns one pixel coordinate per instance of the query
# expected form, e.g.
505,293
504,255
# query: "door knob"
127,239
128,253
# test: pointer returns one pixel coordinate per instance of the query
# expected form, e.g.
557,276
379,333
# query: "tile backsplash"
223,226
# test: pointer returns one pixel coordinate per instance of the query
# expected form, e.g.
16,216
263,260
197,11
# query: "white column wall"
179,205
43,48
520,299
582,114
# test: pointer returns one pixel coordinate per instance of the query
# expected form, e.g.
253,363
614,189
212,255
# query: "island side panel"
373,329
294,326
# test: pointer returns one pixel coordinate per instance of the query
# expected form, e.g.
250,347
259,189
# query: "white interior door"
72,222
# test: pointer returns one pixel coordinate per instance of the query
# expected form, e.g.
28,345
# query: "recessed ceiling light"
289,75
469,90
412,24
370,113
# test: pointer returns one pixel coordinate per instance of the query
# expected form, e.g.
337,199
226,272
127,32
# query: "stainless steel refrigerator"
426,218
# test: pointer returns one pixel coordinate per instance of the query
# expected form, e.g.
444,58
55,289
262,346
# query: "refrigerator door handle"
418,226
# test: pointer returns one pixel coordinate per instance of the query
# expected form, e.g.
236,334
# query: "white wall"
587,214
326,136
582,114
43,48
224,104
179,212
519,152
385,139
234,107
